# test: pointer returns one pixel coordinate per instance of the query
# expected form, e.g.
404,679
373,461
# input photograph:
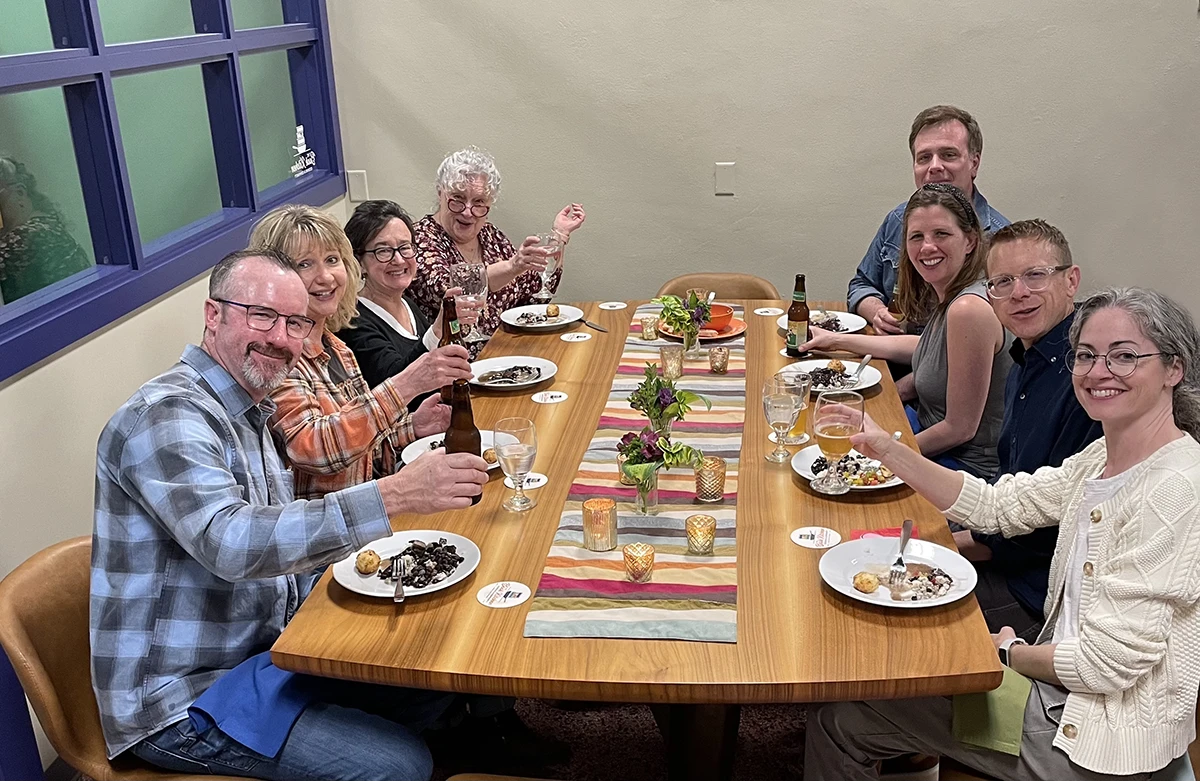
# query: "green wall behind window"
257,13
271,115
24,27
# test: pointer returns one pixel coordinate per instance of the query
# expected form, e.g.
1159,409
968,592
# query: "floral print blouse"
436,253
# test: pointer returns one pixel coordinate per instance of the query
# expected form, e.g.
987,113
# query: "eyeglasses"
1121,361
458,206
1035,280
388,254
263,318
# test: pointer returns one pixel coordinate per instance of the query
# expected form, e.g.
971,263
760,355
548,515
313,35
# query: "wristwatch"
1003,649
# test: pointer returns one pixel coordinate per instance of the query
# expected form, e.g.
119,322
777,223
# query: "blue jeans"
946,461
356,732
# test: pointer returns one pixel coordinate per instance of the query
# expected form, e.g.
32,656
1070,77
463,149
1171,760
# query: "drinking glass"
472,278
781,409
799,383
553,242
837,416
516,447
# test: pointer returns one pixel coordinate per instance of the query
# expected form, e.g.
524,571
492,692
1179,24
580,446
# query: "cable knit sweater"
1134,669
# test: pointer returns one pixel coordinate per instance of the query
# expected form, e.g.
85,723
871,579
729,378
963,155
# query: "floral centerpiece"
644,455
659,400
685,317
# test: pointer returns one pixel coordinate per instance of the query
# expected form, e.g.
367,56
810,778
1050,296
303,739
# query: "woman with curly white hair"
468,184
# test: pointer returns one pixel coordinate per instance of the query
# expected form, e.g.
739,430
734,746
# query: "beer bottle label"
454,327
797,333
799,295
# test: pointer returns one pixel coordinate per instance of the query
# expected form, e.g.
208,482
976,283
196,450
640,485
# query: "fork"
862,366
899,572
398,572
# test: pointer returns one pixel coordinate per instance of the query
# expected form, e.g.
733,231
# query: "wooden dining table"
797,640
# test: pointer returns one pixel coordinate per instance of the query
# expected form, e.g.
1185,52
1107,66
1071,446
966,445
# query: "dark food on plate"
533,318
423,563
829,377
513,375
435,444
829,321
856,469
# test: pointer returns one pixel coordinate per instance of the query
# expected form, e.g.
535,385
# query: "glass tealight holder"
701,532
672,361
650,328
710,479
639,561
600,524
718,359
624,478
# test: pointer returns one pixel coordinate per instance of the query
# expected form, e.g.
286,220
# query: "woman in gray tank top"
961,359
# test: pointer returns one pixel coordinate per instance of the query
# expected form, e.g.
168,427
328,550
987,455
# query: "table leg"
701,740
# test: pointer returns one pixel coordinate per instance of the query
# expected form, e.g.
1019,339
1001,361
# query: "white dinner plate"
802,465
374,586
870,376
422,446
842,562
479,368
566,314
851,322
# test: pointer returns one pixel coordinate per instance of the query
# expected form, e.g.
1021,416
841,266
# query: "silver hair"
1172,330
471,163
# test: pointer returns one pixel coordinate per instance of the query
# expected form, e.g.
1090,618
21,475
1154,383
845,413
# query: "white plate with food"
539,317
511,371
861,473
835,374
360,572
487,441
842,322
859,569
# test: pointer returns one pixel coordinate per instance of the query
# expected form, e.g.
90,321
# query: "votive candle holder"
600,524
718,359
701,532
650,328
672,361
639,561
624,478
710,479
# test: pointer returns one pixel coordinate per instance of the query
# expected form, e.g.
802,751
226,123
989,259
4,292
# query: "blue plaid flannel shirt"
200,555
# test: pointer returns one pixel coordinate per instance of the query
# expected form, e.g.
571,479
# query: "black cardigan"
380,350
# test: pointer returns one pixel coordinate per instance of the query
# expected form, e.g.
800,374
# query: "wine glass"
472,279
516,447
781,409
800,384
552,242
837,416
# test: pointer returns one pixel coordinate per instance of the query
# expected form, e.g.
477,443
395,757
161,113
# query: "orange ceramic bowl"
720,317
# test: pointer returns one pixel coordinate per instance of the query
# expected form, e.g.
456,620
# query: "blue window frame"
129,272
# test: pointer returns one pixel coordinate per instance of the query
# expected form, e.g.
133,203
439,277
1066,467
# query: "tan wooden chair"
726,285
44,631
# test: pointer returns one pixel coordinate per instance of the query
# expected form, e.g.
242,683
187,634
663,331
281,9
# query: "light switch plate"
723,178
356,185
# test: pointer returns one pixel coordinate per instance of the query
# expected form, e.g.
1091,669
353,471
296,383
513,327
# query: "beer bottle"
463,436
893,306
797,319
450,334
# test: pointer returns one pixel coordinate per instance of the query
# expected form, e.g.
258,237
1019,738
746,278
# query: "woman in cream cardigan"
1116,669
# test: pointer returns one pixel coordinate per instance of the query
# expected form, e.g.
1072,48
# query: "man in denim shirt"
1032,283
946,146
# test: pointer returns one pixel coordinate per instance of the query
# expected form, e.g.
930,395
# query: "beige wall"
1089,110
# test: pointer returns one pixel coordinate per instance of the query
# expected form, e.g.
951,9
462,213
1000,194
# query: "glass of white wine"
837,416
516,447
781,408
800,384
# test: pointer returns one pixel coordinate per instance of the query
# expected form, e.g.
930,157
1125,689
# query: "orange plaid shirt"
337,434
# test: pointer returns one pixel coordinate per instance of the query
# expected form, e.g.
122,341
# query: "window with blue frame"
139,140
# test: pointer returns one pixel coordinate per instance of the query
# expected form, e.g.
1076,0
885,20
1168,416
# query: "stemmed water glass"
781,408
553,243
472,279
837,416
800,384
516,447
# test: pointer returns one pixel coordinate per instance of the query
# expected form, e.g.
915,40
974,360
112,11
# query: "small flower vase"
691,345
646,502
662,427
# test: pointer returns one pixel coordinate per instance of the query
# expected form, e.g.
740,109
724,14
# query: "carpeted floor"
622,742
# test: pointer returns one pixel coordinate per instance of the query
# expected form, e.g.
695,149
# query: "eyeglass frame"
991,282
288,320
1072,361
394,250
452,199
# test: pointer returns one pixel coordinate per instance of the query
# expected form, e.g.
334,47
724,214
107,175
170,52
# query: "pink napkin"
893,531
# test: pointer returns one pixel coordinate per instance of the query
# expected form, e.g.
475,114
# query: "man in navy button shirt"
1031,282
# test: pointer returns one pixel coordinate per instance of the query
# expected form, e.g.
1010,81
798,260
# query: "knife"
600,328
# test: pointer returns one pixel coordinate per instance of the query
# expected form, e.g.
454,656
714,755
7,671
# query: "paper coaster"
578,336
815,537
506,593
613,305
549,397
807,439
532,480
768,311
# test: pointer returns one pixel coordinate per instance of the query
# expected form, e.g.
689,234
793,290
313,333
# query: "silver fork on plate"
899,572
398,564
856,378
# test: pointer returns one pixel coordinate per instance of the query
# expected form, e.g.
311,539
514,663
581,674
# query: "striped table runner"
586,594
